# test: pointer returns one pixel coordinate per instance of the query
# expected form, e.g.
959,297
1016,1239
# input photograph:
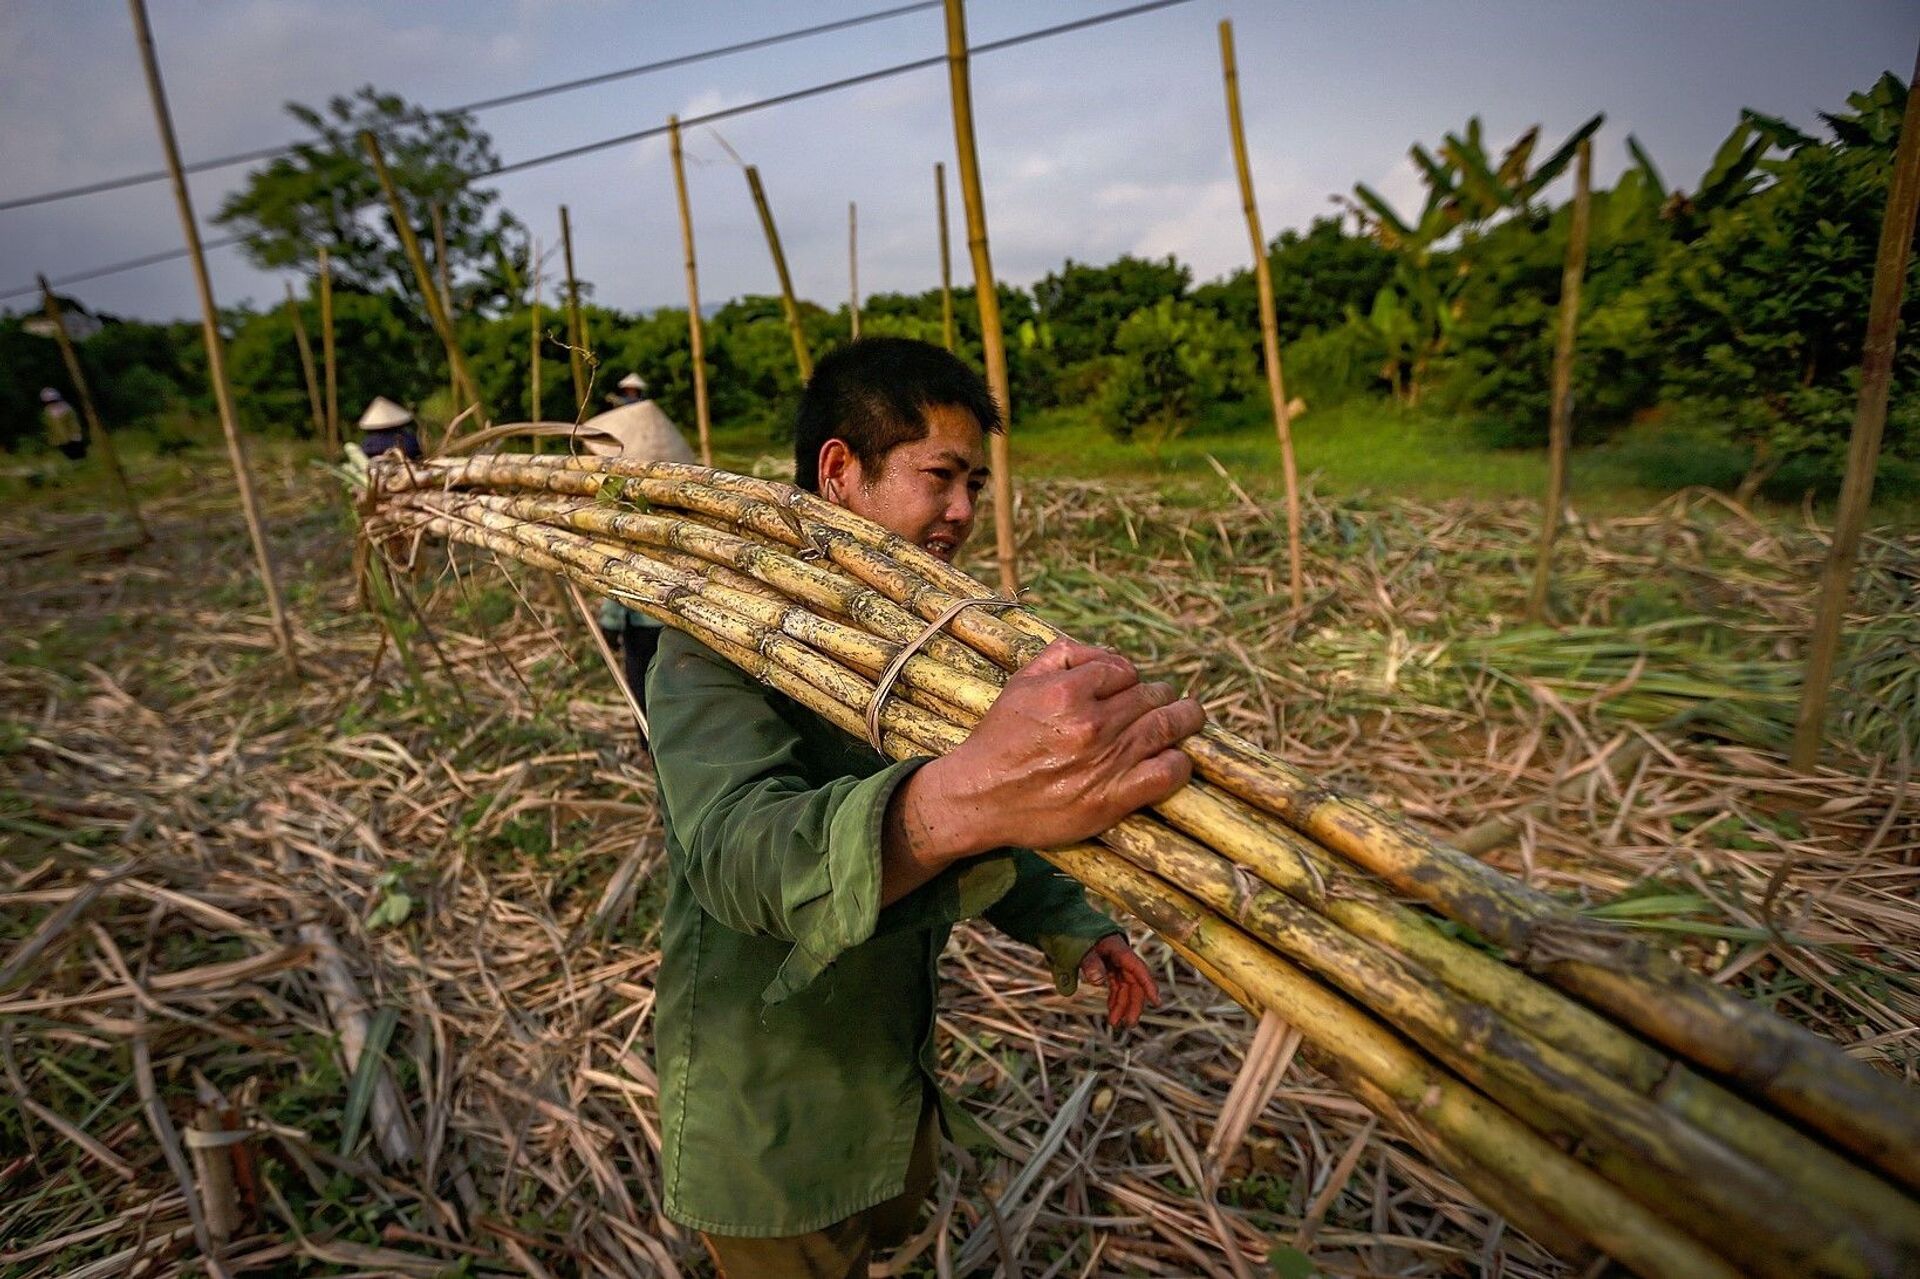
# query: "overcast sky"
1096,143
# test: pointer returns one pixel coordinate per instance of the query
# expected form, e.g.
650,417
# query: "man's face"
924,490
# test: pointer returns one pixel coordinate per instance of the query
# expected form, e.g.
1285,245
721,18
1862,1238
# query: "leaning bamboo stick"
1269,324
789,306
216,348
332,433
440,276
423,279
1518,1036
1560,427
993,339
576,330
535,411
853,268
307,375
695,324
96,430
946,258
1863,442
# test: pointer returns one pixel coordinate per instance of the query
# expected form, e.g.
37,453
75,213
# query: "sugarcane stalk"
1484,1133
939,726
1767,1056
331,369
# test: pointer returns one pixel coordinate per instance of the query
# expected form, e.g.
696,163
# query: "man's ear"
839,470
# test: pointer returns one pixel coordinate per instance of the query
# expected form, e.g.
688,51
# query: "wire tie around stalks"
884,685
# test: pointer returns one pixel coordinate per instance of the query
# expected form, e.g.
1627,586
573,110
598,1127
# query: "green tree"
323,193
1763,314
1084,306
1170,360
1317,275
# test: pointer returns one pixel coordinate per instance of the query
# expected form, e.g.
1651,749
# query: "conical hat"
632,382
383,414
638,431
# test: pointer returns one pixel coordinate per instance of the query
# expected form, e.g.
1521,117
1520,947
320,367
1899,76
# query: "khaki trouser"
842,1250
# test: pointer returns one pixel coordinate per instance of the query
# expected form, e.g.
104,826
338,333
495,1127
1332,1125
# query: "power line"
484,104
569,153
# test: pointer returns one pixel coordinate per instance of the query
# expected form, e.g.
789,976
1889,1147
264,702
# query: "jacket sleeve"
767,852
1048,909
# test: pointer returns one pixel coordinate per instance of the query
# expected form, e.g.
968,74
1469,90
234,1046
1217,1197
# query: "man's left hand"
1130,987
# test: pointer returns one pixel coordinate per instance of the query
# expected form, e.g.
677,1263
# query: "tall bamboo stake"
791,308
210,333
946,257
1560,427
533,339
326,355
442,322
1863,449
853,266
440,275
307,374
694,322
95,430
992,340
1269,323
576,337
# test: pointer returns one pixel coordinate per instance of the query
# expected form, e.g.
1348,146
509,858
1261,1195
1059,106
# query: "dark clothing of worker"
405,438
794,1028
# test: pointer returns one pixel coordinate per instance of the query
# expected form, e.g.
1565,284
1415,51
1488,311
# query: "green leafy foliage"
324,193
1169,360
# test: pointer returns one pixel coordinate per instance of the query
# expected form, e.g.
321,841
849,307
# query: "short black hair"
874,395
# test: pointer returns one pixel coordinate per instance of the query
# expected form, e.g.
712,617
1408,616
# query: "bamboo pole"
853,267
210,334
327,356
307,374
534,413
992,340
96,430
1863,448
440,276
1560,426
788,305
436,313
1762,1055
1269,323
695,324
576,336
946,258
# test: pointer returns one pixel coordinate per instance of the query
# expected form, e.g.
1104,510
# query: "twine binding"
884,685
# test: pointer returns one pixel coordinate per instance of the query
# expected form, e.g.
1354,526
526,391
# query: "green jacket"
794,1028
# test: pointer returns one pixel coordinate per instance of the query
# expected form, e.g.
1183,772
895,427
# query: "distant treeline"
1734,311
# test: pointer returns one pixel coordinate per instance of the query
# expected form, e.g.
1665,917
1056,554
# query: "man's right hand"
1075,742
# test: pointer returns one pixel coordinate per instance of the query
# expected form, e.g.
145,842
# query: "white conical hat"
383,414
638,431
632,382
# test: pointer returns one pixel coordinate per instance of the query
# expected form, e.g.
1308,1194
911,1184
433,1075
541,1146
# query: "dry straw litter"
360,976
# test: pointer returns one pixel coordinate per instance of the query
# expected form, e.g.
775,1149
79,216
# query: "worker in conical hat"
386,426
630,389
638,429
62,424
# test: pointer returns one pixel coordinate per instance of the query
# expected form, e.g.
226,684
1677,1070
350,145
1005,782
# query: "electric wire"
638,135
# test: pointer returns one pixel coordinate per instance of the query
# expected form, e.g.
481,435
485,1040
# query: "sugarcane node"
1548,942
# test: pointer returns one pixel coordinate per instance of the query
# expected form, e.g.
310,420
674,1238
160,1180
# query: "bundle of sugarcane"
1588,1087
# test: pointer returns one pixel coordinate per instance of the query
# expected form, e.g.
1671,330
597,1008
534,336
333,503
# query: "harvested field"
355,973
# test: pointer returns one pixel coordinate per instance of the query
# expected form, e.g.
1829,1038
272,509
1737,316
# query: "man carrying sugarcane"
813,884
